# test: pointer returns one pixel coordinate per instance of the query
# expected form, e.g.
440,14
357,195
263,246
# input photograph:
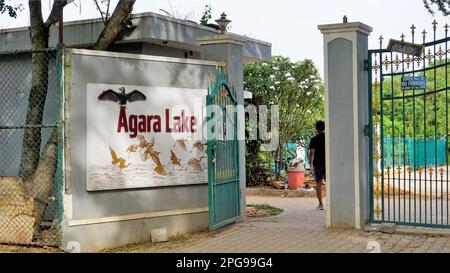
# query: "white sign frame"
104,120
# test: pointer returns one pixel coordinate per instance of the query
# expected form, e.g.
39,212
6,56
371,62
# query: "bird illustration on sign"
131,149
195,163
181,143
119,161
122,98
134,153
174,160
198,145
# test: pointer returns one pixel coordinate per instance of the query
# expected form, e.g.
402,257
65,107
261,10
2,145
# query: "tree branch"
115,25
107,10
37,24
55,14
100,11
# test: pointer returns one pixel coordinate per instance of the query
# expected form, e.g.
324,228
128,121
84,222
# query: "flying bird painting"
195,163
145,146
119,161
181,143
121,97
174,160
153,154
131,149
198,145
159,169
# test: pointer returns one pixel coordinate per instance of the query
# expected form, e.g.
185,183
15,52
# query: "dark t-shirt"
318,144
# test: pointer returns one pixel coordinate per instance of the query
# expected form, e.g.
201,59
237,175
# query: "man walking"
317,158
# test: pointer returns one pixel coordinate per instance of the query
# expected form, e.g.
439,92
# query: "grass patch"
270,209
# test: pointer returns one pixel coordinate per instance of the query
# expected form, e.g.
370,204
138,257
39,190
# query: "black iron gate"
410,129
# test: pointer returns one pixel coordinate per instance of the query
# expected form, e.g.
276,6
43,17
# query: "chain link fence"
31,175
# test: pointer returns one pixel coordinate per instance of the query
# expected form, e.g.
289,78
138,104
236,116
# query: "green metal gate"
409,102
223,157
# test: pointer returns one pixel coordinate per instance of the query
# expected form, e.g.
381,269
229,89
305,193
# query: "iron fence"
31,174
409,106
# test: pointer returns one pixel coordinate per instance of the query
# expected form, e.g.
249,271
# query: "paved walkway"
300,228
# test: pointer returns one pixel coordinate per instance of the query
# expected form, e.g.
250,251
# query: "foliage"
416,116
258,176
297,88
442,5
10,9
206,15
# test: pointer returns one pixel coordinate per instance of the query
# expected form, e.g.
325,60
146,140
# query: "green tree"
296,87
206,15
11,10
411,113
442,5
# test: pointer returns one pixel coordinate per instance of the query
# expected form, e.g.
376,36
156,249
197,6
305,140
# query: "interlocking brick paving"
300,228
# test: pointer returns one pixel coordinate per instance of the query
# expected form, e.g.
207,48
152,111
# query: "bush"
258,176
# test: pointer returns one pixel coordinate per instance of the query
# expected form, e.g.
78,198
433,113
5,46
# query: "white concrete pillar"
346,114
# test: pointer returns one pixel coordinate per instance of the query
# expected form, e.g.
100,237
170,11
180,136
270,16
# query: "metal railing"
409,182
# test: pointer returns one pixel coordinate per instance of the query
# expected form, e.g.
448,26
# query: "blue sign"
414,82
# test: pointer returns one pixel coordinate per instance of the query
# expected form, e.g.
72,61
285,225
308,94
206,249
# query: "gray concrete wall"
155,50
86,67
158,50
151,28
94,237
340,132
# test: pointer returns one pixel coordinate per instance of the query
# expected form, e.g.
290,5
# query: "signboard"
405,47
416,82
144,136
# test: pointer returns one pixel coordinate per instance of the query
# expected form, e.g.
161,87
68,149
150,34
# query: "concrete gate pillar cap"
345,27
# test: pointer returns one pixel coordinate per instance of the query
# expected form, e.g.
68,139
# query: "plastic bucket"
296,179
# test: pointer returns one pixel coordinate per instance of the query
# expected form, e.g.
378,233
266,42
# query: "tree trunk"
36,102
38,172
38,93
276,163
115,25
44,177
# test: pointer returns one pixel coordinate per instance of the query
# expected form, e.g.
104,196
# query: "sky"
290,25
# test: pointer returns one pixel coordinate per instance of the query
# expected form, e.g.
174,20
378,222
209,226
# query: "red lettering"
157,124
176,124
132,122
149,123
184,122
193,124
135,124
122,120
142,125
168,129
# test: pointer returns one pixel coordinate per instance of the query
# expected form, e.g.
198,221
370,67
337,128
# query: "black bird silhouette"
122,98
